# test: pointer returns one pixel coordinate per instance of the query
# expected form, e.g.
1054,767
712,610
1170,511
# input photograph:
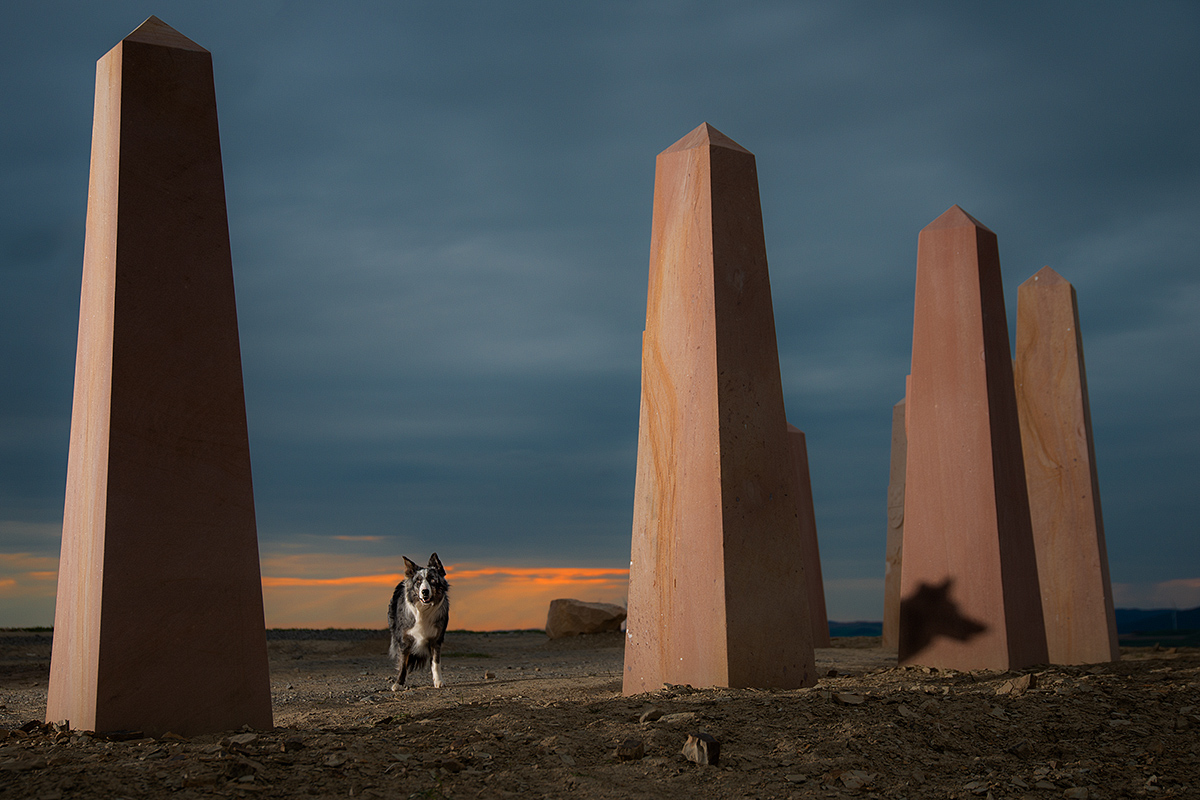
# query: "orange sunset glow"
297,593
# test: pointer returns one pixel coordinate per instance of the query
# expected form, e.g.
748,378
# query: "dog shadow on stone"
929,613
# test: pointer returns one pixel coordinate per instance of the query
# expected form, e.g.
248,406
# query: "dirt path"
524,716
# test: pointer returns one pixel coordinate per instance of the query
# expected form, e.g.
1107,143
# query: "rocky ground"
522,716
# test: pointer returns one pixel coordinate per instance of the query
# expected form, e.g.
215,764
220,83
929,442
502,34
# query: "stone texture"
716,535
969,585
159,617
1060,468
702,749
894,553
1018,685
575,617
650,715
630,750
808,538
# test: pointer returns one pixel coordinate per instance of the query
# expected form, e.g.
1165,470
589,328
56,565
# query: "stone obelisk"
717,594
894,546
969,585
159,620
1060,468
808,537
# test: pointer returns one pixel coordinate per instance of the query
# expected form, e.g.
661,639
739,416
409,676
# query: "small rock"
679,718
650,715
701,748
242,739
567,758
291,744
848,699
1044,784
856,778
1018,685
1076,793
194,780
1021,748
335,760
833,673
488,676
631,750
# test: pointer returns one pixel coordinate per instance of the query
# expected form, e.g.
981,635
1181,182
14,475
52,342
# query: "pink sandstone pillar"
969,585
1060,468
808,538
894,554
159,621
716,588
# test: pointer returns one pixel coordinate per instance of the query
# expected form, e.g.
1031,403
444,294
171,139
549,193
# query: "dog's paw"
437,684
396,687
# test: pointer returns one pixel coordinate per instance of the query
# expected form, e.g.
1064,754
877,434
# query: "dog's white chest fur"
424,629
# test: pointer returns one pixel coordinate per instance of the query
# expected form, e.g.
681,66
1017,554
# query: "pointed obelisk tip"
703,135
1046,277
955,217
155,31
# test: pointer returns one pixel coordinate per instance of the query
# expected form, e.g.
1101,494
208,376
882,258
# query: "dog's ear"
436,563
409,567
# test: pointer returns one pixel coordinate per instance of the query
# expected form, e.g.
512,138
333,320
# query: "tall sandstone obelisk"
159,621
717,593
969,584
894,546
807,514
1060,467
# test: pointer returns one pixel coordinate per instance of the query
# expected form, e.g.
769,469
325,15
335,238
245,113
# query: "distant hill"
1136,627
1136,620
855,628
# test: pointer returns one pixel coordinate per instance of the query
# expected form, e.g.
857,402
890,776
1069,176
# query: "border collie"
418,616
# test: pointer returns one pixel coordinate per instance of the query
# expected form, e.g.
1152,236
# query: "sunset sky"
440,221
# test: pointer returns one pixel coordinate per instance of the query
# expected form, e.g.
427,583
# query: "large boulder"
573,617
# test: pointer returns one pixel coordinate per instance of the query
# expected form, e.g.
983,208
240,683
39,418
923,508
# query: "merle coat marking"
418,616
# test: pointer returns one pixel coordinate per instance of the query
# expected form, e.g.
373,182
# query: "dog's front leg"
399,684
435,665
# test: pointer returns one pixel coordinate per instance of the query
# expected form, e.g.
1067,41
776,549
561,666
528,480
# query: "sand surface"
523,716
